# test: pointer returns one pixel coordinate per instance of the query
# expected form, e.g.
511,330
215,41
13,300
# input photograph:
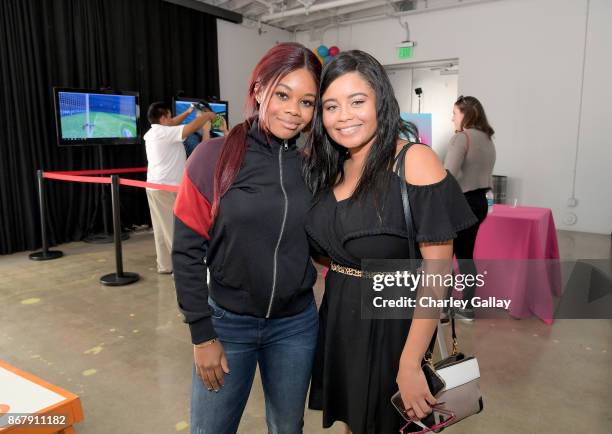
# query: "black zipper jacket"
256,251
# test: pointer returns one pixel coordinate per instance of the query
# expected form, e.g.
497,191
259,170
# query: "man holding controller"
166,162
192,141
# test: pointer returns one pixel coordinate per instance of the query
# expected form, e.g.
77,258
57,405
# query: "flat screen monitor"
93,117
219,107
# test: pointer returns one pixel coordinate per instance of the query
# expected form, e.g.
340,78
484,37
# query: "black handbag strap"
400,170
451,314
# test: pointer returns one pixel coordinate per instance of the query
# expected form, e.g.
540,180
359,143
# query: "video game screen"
219,107
85,116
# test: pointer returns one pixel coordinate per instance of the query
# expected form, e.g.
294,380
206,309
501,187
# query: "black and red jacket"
256,251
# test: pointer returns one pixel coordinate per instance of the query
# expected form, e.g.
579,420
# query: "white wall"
240,48
522,59
439,94
401,80
594,172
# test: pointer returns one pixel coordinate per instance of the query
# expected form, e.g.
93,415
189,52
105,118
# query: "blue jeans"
284,349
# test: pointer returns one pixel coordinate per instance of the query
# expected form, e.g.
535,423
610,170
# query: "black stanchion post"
103,195
105,237
120,278
45,254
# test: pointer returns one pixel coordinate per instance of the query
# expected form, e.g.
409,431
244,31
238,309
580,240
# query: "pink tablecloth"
518,248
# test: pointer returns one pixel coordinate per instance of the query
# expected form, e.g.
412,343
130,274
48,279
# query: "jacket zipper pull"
285,146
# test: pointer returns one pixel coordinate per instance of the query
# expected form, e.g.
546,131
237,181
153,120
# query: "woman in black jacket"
240,213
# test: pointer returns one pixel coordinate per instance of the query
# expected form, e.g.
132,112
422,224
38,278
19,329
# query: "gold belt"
346,270
355,272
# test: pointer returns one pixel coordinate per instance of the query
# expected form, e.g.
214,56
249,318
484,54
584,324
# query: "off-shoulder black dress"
357,360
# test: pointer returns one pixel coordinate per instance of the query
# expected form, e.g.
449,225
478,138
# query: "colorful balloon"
333,50
322,50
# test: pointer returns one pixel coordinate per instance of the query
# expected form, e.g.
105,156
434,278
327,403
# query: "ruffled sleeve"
439,210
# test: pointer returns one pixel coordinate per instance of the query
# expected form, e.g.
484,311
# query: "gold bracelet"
205,344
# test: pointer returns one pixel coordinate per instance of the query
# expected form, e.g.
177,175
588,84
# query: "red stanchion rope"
80,176
142,184
77,178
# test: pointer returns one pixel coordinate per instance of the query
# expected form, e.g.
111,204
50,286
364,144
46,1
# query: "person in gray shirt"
470,159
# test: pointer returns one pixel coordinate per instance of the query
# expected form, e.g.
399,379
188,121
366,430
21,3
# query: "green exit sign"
404,52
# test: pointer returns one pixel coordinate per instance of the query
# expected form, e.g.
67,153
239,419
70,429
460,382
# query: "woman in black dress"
358,214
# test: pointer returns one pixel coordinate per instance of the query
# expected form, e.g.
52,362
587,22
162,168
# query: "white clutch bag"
461,395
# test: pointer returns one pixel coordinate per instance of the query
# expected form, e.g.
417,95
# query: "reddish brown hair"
473,115
279,61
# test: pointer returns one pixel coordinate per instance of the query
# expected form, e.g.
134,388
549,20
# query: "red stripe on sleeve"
192,207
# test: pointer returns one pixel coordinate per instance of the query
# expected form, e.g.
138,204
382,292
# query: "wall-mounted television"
219,107
96,117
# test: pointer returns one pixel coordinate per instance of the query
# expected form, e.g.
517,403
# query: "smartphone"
434,381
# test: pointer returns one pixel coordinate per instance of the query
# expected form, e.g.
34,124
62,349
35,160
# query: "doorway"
439,83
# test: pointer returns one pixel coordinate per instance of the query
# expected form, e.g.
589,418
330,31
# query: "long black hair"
323,166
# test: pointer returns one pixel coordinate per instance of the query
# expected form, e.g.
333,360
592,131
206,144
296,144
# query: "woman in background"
470,158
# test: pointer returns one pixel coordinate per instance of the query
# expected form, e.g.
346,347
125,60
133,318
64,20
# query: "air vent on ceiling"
406,5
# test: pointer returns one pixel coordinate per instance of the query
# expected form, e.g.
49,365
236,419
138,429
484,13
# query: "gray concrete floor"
126,352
